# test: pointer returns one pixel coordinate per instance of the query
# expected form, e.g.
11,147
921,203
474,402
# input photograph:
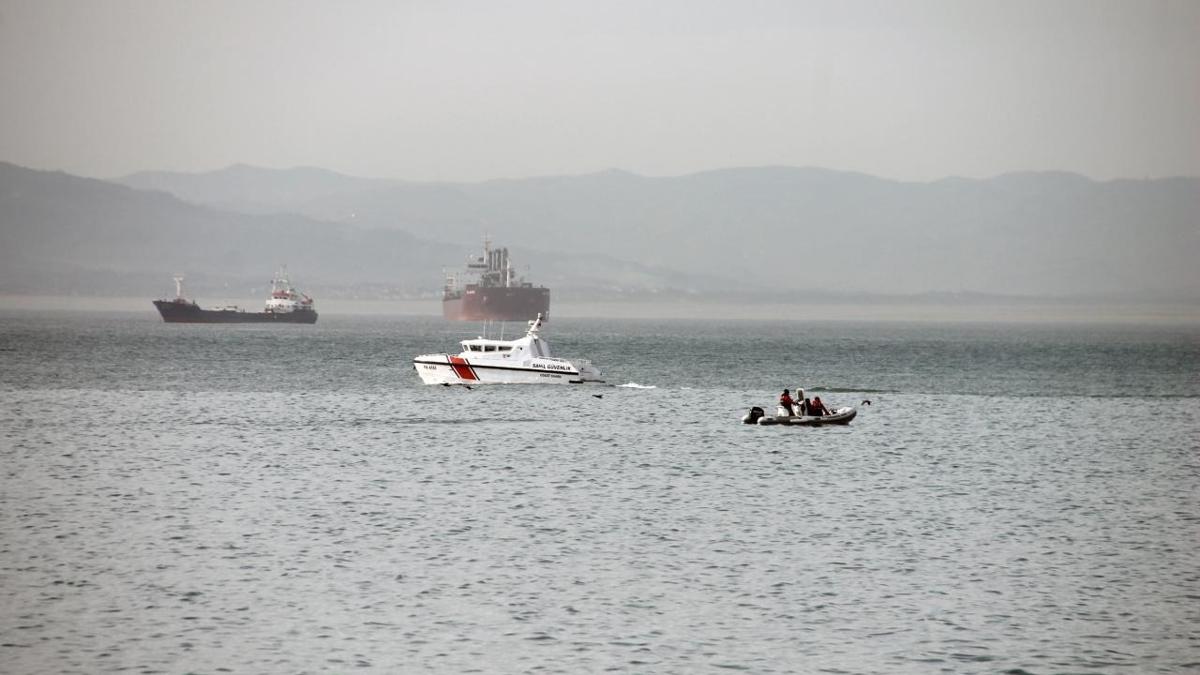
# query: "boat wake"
635,385
851,390
437,420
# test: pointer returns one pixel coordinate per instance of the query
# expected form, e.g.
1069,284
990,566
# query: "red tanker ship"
494,293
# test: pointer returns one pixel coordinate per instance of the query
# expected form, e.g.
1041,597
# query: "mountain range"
65,234
775,233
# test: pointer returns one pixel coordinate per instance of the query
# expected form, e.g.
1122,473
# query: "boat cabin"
524,348
531,346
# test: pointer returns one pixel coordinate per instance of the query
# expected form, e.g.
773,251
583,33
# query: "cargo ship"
492,291
284,305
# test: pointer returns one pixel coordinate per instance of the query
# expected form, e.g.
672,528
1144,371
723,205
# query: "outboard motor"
753,416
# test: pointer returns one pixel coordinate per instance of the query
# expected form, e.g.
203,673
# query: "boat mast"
280,282
178,286
489,329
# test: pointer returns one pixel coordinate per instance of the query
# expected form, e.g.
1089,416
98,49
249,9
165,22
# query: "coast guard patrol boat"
526,360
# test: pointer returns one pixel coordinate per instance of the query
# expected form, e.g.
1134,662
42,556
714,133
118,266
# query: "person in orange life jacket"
785,400
817,407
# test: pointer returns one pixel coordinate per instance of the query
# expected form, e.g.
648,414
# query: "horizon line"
611,170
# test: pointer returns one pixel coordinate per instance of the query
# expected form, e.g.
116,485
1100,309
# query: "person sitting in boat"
786,402
817,408
806,407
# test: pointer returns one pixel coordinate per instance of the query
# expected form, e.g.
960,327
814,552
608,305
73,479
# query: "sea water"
262,499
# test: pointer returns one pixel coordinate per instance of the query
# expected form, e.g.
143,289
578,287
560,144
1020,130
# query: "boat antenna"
535,325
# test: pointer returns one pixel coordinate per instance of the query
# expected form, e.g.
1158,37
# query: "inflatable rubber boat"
836,416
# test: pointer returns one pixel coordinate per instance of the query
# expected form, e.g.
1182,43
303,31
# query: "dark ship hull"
497,303
190,312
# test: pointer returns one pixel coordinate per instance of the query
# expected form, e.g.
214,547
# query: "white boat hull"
526,360
447,369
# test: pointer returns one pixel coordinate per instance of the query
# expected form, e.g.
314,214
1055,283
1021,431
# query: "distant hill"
798,231
65,234
252,190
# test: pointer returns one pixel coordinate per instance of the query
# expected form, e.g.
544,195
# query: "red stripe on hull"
462,369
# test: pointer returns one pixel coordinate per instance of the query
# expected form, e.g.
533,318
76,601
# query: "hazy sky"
475,90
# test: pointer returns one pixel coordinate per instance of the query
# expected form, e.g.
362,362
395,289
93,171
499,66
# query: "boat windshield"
486,348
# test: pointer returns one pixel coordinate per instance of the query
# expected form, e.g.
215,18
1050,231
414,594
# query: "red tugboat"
285,305
495,292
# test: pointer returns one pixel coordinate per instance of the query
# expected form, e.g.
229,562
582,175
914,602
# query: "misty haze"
749,234
806,152
788,336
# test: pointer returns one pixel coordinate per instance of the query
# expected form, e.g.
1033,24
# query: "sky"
470,91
